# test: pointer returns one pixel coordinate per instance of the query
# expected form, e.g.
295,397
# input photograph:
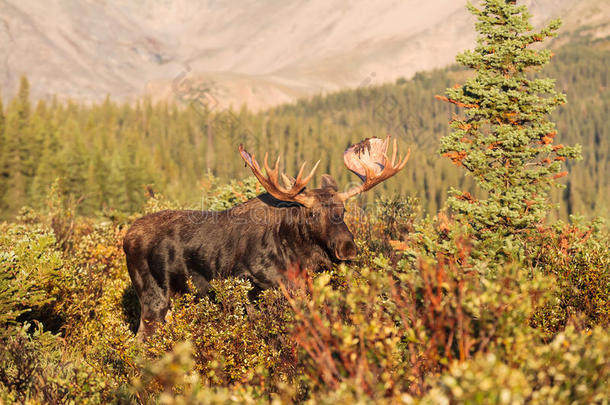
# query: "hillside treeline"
109,155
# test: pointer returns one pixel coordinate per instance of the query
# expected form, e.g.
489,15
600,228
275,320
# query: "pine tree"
504,139
1,122
17,148
3,178
47,170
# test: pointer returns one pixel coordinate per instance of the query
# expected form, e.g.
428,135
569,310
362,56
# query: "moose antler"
369,161
271,181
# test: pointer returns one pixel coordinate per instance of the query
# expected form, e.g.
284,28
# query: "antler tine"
289,192
309,176
311,173
374,162
298,178
401,161
266,164
254,162
405,160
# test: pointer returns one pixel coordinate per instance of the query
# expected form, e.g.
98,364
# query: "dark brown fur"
258,240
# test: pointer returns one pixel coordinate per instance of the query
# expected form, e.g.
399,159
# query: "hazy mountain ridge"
253,53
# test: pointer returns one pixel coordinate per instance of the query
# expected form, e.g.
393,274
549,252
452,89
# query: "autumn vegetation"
466,289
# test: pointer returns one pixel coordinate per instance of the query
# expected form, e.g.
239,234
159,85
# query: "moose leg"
154,298
154,311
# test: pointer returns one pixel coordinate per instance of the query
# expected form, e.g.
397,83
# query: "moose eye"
336,217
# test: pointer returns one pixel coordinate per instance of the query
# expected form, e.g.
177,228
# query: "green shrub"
483,380
29,266
377,230
579,258
218,197
95,281
177,383
349,335
234,341
424,314
384,330
573,368
33,367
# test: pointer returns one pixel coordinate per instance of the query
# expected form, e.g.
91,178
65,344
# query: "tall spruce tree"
17,147
504,137
1,121
3,164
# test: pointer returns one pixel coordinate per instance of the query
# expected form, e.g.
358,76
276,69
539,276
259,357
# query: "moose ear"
329,181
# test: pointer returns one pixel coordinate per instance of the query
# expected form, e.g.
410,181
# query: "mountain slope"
251,52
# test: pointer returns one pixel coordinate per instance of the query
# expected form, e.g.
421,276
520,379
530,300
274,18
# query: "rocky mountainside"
258,53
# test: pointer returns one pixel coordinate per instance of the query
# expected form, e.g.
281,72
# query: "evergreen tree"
87,145
17,150
505,139
3,174
2,123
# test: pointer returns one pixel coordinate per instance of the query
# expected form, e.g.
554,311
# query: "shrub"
578,256
390,221
234,341
483,380
178,383
95,282
573,368
384,330
424,308
29,267
218,197
348,335
34,367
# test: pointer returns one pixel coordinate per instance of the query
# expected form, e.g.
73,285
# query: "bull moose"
289,226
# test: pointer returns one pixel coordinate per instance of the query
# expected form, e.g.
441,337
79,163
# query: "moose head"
325,207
